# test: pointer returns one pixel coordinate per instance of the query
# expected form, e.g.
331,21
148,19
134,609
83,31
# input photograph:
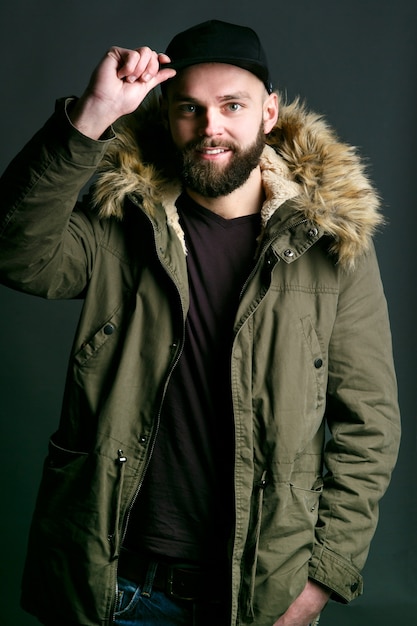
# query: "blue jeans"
146,606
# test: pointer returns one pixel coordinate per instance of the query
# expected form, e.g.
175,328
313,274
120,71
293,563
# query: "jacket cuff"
71,143
336,573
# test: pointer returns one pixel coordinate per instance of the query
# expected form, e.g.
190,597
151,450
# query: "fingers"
142,64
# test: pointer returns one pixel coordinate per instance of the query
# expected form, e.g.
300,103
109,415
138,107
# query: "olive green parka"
311,348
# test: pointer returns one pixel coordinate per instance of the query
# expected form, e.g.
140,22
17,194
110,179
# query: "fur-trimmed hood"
304,161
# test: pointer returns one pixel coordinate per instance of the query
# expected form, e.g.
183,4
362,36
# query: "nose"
211,123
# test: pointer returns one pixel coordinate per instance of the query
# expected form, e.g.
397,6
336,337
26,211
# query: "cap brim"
246,64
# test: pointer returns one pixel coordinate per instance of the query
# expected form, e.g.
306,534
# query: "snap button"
108,329
318,363
313,232
143,438
288,253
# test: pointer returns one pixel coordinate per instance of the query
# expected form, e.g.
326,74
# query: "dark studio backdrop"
355,62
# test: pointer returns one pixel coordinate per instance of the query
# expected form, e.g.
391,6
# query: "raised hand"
117,87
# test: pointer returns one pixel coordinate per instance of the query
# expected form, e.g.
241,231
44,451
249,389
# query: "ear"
270,112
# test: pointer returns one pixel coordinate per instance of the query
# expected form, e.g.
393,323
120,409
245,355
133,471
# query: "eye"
187,108
234,106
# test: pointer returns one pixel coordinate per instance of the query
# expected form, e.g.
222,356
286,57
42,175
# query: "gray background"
355,62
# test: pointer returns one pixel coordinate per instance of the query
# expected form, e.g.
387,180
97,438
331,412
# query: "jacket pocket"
58,458
63,468
305,502
251,557
114,536
63,498
75,503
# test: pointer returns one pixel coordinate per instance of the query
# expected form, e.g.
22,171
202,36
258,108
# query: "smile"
211,151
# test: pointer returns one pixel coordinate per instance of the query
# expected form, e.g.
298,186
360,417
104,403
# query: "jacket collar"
304,162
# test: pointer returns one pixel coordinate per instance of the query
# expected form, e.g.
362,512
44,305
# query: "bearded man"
232,309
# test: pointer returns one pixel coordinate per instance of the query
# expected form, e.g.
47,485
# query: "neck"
244,200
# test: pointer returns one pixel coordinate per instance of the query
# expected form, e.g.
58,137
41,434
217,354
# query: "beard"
211,180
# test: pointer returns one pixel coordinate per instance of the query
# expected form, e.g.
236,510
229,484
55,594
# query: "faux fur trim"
335,190
325,178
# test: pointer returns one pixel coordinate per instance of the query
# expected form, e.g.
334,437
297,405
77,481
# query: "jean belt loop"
150,576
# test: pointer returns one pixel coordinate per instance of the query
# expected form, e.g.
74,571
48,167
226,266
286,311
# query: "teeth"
214,151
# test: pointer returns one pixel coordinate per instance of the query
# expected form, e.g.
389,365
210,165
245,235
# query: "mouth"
213,153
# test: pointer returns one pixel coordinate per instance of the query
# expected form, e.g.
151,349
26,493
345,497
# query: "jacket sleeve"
364,425
47,240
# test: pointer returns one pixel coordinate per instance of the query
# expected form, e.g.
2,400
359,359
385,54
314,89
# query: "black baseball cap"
220,42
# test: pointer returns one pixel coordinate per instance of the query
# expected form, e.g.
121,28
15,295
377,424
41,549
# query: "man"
232,308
